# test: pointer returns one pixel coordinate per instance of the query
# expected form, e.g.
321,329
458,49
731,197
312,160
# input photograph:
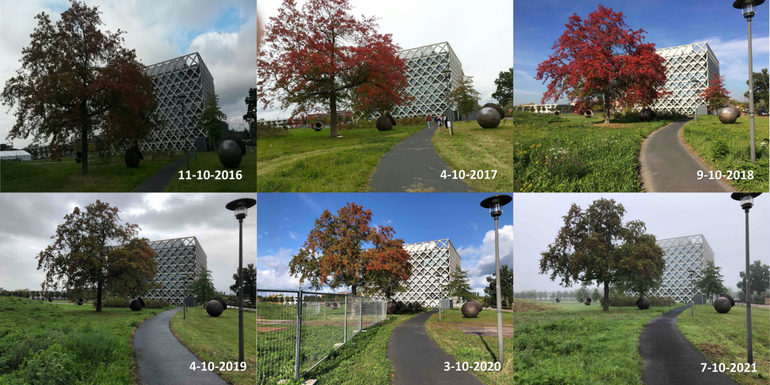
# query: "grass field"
726,147
722,338
215,339
571,153
571,343
473,348
48,343
306,161
474,148
209,161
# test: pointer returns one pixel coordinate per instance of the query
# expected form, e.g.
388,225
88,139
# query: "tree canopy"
761,98
458,285
760,278
506,285
91,249
711,282
249,283
202,287
504,92
251,111
466,97
212,119
715,94
602,59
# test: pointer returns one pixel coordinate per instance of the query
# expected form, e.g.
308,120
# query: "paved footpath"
669,359
418,360
413,165
669,166
162,359
158,181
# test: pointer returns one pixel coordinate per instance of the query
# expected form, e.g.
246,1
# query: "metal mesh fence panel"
276,335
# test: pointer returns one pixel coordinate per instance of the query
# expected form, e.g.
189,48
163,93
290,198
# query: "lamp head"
241,206
746,199
749,7
495,204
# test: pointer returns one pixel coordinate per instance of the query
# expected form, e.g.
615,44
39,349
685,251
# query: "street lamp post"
747,202
749,8
241,208
692,287
495,205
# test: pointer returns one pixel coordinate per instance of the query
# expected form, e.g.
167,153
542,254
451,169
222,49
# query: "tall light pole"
747,202
749,8
241,208
495,205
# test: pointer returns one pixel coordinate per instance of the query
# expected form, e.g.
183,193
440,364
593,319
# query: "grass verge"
215,339
569,153
472,148
473,348
65,344
722,339
309,161
726,147
209,162
578,344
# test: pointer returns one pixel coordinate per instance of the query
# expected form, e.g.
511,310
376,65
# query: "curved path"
670,359
162,359
158,181
669,166
418,360
413,165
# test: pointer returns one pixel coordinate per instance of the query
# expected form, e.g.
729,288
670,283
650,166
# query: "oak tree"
715,94
91,249
345,250
321,58
641,261
602,58
77,81
711,282
466,97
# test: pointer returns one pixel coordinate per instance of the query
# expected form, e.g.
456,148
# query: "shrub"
269,131
51,366
153,304
719,149
113,302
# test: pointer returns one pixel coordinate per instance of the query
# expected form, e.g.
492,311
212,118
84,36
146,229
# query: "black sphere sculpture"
470,310
383,123
588,301
556,113
222,301
133,156
390,117
646,115
722,305
481,307
728,115
488,117
392,307
643,303
557,299
141,301
135,305
78,157
335,305
580,299
214,308
326,304
729,298
230,154
50,299
497,108
240,143
318,126
588,113
80,301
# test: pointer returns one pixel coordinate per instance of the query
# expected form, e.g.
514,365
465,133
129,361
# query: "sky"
285,220
29,220
537,25
223,32
538,218
480,35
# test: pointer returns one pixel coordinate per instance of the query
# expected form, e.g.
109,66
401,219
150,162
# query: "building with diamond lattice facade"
182,87
682,254
432,72
178,262
689,69
432,263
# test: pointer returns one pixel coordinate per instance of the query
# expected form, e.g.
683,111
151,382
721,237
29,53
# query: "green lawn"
473,348
215,339
209,161
309,161
570,153
726,147
722,338
474,148
42,342
571,343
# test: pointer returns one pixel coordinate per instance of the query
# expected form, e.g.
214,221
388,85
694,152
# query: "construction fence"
297,330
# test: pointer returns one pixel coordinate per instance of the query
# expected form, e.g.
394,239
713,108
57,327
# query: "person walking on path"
428,119
435,120
443,120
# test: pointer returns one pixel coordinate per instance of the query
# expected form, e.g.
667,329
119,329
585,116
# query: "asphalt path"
418,360
669,166
669,359
158,181
413,165
162,359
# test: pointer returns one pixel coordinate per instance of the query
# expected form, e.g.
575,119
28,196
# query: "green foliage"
212,119
506,286
52,366
458,285
202,287
624,300
249,283
504,92
719,149
251,111
711,282
761,98
595,295
760,279
465,96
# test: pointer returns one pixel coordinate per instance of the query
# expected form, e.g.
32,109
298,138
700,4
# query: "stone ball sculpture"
392,307
580,299
80,301
222,301
497,108
132,157
135,305
392,120
383,124
335,305
470,310
588,113
141,301
556,113
78,157
729,298
230,154
488,117
50,299
481,307
558,300
646,115
588,302
214,308
240,143
326,304
728,115
643,303
318,126
722,305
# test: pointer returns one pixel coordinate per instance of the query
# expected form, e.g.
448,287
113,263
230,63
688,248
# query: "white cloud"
293,235
480,261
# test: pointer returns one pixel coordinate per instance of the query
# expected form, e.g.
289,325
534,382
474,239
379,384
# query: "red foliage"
322,57
601,58
715,94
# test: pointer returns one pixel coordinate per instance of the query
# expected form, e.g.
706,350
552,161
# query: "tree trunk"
98,294
606,114
84,149
354,289
333,121
606,296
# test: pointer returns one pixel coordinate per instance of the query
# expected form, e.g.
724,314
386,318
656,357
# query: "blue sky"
284,221
537,25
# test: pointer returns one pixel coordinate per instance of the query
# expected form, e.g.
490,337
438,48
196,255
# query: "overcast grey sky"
538,217
223,32
480,33
27,221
